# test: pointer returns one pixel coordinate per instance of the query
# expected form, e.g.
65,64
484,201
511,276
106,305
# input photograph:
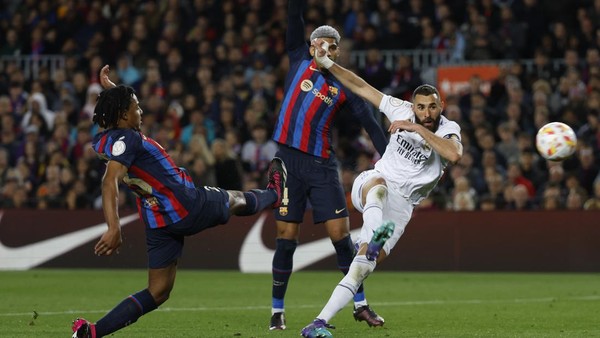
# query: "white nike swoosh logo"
255,256
313,69
31,255
340,210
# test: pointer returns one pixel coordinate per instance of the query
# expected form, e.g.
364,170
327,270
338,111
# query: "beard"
432,124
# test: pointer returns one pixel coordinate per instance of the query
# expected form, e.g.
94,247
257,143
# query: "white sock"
374,204
359,270
360,303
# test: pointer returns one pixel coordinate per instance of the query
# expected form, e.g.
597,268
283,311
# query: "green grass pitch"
231,304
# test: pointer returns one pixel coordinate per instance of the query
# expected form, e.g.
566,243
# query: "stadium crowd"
211,74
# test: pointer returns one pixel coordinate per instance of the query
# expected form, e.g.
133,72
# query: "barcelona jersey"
165,193
313,97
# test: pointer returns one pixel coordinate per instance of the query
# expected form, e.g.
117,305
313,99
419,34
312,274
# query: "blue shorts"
314,179
165,245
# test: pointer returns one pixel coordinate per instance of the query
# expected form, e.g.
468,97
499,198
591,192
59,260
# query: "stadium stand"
211,71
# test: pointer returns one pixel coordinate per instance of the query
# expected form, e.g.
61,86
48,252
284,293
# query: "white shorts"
398,210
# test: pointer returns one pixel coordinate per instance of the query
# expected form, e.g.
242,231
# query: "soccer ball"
556,141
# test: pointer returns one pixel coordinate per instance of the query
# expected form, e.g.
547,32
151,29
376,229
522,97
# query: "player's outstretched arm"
352,81
111,240
295,28
104,79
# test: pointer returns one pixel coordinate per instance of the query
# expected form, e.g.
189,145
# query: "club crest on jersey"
426,146
283,211
395,102
150,202
333,91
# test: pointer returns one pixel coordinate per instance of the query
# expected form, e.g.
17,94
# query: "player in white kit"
422,144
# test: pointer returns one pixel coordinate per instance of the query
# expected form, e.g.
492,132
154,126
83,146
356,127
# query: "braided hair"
111,104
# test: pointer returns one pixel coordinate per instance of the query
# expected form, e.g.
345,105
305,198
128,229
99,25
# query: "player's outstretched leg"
317,329
277,177
380,236
83,329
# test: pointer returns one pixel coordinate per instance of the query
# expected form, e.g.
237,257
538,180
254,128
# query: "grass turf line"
231,304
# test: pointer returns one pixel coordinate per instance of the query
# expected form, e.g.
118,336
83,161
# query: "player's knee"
236,199
237,202
377,193
286,246
160,294
338,228
161,298
362,267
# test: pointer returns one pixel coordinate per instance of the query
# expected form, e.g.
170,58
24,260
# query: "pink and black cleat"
83,329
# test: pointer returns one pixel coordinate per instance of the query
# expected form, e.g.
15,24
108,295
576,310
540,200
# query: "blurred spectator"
512,33
463,201
404,79
482,43
427,34
589,133
127,72
227,168
198,125
451,39
575,199
507,146
11,45
466,167
587,169
4,166
463,195
487,203
375,72
257,153
531,169
202,174
38,113
593,203
519,198
496,186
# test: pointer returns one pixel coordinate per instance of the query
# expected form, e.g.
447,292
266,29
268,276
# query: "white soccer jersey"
409,164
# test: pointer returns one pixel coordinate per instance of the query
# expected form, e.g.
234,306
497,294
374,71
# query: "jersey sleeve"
295,28
124,148
396,109
361,111
448,128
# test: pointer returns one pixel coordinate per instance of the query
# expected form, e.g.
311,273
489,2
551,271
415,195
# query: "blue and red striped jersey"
310,103
312,98
165,192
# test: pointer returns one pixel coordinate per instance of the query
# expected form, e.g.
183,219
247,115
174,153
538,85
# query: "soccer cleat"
365,313
277,177
277,321
317,329
83,329
380,236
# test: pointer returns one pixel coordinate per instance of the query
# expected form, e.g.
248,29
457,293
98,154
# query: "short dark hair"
111,104
425,90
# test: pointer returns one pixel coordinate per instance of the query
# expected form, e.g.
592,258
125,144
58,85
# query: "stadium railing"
424,59
31,65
